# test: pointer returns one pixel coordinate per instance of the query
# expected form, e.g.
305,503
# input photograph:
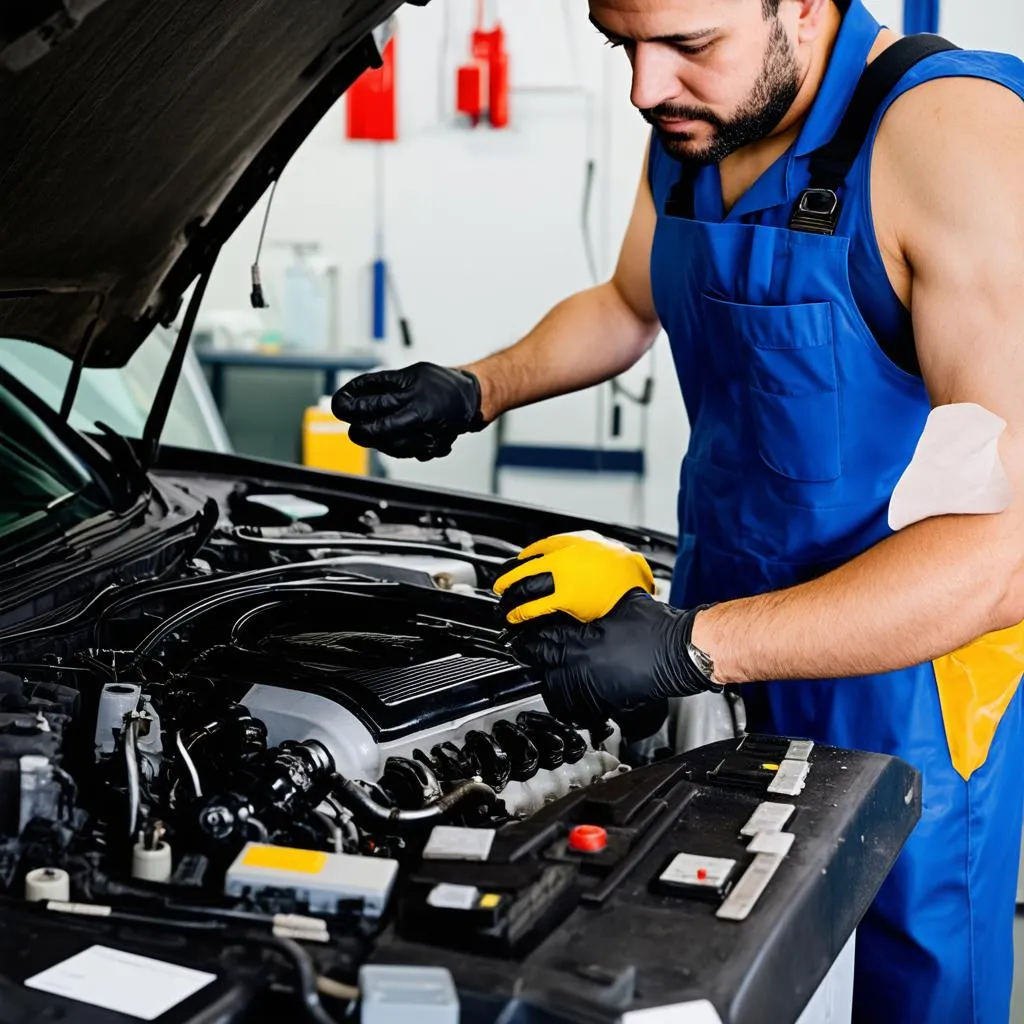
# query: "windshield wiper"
130,480
58,547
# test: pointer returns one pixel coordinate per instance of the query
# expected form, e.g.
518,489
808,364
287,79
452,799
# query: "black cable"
227,580
408,547
296,955
51,627
200,608
24,666
256,297
243,620
307,975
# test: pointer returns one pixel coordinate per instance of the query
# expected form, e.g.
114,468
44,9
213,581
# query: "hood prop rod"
169,381
75,376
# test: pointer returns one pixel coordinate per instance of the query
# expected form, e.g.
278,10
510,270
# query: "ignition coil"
410,784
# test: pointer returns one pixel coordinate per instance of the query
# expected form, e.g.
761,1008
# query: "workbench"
330,364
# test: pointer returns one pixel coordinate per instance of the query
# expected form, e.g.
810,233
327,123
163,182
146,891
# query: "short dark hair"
770,8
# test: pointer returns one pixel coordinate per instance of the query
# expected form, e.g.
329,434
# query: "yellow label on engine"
770,767
489,900
285,858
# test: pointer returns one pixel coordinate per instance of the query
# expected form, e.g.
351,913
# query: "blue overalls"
800,428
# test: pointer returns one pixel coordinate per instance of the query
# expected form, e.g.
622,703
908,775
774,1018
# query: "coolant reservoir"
116,701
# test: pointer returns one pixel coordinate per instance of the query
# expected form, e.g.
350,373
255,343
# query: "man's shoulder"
947,150
959,118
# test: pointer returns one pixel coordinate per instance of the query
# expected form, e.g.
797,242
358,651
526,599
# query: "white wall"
483,228
984,24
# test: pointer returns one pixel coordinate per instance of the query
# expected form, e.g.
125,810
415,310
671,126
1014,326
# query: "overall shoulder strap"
818,208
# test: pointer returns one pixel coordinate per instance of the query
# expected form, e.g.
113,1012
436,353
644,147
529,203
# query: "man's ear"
811,18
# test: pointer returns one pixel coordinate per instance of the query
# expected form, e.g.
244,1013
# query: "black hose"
198,609
146,591
307,976
373,544
497,544
374,816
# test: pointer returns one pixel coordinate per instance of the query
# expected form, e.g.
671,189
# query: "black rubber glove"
633,656
413,413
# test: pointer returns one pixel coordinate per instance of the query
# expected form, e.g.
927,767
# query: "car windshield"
46,487
121,397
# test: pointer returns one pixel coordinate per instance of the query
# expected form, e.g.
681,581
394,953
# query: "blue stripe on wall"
920,16
571,460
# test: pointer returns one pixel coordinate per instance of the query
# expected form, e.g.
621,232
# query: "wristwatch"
703,661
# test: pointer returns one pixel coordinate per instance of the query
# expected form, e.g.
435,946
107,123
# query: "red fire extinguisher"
482,84
370,101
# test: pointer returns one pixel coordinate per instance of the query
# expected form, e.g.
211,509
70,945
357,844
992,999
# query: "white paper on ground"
123,982
956,469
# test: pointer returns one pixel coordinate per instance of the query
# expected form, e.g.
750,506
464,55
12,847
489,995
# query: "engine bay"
323,693
336,703
291,756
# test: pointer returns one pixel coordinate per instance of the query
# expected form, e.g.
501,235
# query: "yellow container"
326,444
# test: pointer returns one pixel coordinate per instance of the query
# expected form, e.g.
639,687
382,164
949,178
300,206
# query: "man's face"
710,76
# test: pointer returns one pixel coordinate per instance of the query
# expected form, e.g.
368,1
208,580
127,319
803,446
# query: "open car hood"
137,136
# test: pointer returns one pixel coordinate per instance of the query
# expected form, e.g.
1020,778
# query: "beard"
759,115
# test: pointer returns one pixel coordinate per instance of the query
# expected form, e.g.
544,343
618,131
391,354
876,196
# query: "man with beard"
830,230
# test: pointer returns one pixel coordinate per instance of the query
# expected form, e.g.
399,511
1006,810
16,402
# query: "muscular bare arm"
951,205
589,338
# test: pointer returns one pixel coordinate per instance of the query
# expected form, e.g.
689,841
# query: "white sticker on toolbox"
453,897
772,842
740,902
137,986
688,869
799,750
768,818
700,1011
790,778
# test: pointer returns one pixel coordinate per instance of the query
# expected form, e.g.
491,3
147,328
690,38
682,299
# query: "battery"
321,880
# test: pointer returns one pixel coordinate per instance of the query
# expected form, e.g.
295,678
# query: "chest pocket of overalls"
785,356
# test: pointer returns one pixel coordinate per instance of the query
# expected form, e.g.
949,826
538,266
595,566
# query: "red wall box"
371,103
469,99
482,84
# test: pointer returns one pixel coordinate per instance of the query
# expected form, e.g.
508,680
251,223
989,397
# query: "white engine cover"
295,715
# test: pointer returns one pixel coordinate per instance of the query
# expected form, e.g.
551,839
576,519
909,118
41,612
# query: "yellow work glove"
583,575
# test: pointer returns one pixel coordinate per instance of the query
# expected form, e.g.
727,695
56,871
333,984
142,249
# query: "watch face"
703,661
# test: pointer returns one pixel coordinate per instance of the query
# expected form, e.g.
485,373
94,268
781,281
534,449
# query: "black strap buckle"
817,211
681,200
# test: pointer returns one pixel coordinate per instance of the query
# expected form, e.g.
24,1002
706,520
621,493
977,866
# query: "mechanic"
829,355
